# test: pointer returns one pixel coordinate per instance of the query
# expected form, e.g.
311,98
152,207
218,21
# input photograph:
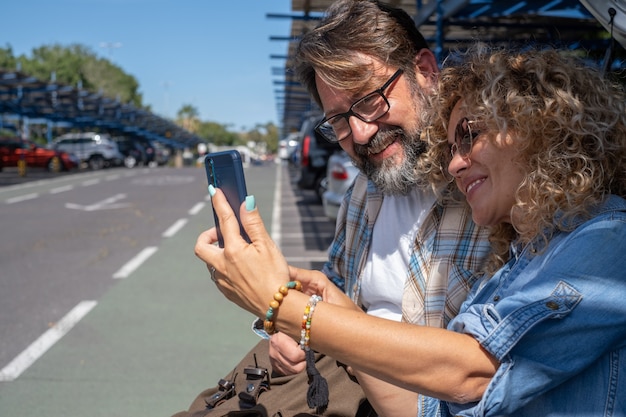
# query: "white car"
287,146
340,175
97,150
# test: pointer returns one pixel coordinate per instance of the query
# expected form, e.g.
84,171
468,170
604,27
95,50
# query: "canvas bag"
286,396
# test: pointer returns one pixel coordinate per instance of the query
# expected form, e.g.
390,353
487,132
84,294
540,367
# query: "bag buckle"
257,381
226,390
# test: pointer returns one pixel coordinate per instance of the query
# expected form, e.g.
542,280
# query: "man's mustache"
379,142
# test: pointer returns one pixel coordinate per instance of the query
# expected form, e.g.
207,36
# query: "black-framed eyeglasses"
464,136
369,108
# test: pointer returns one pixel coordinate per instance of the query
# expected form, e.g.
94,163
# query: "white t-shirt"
388,261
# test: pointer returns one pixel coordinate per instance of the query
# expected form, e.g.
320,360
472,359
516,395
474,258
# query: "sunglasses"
464,137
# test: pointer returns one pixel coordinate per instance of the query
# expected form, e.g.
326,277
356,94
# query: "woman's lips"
474,184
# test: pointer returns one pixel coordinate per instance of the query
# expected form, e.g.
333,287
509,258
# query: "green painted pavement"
154,341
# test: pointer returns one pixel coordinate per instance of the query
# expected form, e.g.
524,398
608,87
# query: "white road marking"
105,204
276,229
90,182
173,229
61,189
33,352
196,209
135,263
21,198
164,180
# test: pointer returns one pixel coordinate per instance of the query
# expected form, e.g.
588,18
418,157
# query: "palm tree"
187,118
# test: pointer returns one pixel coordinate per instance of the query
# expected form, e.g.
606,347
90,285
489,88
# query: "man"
398,252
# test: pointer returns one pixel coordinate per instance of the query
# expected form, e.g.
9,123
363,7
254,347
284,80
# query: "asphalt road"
104,309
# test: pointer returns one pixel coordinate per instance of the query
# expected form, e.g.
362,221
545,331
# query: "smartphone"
224,170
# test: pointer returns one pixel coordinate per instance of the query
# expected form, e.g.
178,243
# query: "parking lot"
103,261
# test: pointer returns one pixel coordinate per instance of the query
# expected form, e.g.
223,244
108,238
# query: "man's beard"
390,177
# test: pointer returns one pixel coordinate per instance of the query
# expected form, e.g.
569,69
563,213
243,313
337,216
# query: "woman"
537,144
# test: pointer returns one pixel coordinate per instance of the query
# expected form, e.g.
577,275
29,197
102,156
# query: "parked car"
151,152
14,149
134,153
340,175
161,153
314,152
97,150
287,146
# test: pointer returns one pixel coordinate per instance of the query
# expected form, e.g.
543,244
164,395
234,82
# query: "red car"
14,149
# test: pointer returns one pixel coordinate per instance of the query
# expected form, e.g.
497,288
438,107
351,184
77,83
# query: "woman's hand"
248,274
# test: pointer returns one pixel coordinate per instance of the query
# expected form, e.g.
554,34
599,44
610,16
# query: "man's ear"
426,68
426,63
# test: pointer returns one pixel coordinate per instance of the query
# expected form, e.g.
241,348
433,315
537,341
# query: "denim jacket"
556,321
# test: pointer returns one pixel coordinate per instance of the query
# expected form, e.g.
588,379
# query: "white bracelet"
305,333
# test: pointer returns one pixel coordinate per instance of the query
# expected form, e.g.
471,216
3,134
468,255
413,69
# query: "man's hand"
286,356
315,282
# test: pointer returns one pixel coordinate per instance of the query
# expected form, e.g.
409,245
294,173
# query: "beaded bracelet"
305,333
268,324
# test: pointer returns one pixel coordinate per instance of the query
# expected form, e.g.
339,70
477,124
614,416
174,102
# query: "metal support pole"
439,35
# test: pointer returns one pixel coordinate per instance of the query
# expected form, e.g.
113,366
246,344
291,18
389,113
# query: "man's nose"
362,131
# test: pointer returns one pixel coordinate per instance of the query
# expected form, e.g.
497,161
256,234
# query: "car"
151,151
14,149
340,175
287,146
134,153
161,153
312,160
97,150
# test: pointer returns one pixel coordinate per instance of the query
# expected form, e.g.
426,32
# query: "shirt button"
552,305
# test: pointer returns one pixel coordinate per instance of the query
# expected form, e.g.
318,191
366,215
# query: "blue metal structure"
449,25
446,24
25,98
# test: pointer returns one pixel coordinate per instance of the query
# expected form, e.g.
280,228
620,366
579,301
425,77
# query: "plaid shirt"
447,251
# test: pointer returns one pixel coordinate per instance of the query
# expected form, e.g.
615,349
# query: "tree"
271,137
7,60
265,134
76,65
218,134
187,118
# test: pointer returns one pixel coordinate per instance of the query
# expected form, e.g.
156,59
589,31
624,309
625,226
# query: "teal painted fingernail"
211,190
250,203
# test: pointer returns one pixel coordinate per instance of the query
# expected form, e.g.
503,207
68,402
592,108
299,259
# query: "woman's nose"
362,131
458,164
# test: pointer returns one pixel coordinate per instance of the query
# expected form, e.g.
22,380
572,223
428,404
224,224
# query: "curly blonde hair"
568,123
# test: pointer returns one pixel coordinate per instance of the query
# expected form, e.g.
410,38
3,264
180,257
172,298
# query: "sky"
213,55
